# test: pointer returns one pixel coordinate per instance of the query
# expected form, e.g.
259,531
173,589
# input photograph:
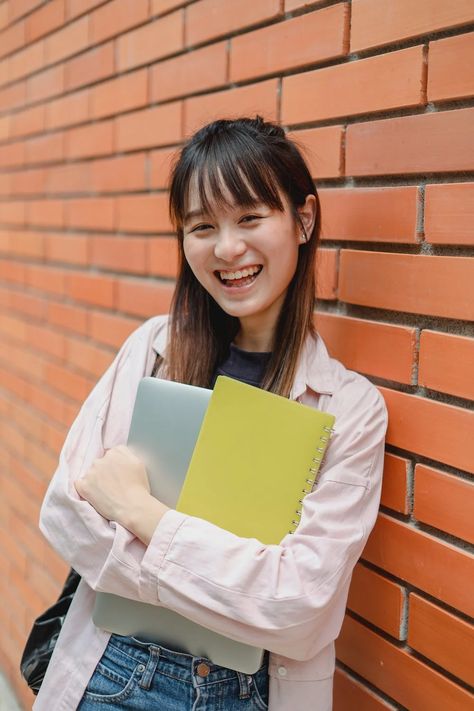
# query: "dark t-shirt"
246,366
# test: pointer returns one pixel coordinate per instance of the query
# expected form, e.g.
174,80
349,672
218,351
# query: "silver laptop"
165,425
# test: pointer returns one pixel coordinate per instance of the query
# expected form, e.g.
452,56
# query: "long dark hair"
252,158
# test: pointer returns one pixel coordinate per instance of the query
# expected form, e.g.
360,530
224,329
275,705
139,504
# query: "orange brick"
95,139
28,121
69,110
349,694
120,253
144,298
13,96
143,213
64,179
395,483
12,38
71,385
439,352
449,213
249,100
110,329
118,174
151,42
70,318
12,272
80,7
448,71
6,185
68,249
13,155
440,636
206,19
13,213
377,600
3,15
172,77
34,306
91,213
27,244
163,256
122,94
294,43
69,40
45,340
87,357
116,17
444,501
366,214
97,63
326,273
297,4
46,279
5,127
46,213
149,127
47,83
160,6
160,167
412,144
433,429
91,288
438,286
47,148
378,22
394,671
19,8
26,61
380,349
322,150
44,20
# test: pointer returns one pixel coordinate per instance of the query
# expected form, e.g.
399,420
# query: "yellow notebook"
256,456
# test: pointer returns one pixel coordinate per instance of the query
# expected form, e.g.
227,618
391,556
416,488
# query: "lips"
236,276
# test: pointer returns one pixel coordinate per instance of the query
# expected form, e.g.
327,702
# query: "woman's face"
245,258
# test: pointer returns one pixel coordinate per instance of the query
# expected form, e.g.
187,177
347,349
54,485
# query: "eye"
249,218
201,228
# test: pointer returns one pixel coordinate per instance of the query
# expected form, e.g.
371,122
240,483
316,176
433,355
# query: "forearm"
143,518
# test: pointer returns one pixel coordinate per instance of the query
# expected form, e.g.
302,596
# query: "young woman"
247,220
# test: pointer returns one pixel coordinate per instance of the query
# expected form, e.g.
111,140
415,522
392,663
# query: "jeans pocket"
260,682
108,683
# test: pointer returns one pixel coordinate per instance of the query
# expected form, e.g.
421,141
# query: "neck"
255,337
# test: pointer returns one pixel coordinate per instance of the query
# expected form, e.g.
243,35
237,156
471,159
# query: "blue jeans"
141,676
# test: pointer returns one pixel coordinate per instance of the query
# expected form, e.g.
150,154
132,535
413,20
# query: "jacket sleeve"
288,598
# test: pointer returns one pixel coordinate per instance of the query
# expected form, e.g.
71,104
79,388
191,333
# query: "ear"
307,214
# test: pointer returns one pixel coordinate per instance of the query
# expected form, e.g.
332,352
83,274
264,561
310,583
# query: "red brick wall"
94,97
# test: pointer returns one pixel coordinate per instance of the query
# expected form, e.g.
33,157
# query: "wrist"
143,518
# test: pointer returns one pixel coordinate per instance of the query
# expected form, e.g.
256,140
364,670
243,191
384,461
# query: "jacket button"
282,671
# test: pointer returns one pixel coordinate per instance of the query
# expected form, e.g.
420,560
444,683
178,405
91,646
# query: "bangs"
226,170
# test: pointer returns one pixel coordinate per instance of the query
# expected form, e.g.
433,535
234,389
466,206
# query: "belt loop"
244,685
148,674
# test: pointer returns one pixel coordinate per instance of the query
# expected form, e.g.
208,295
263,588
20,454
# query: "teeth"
239,274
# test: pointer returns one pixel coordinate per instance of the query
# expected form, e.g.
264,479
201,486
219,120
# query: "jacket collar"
314,371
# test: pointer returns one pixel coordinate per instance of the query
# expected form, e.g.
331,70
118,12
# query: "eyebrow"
199,212
194,213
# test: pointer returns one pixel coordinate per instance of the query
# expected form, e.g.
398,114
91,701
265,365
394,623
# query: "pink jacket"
292,596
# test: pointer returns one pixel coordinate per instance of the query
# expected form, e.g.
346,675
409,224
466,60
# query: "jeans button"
203,669
141,668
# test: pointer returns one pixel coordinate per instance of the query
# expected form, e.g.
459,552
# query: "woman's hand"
117,487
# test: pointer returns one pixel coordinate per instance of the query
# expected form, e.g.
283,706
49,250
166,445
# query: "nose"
229,246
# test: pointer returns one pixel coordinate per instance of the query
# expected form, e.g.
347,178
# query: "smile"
239,278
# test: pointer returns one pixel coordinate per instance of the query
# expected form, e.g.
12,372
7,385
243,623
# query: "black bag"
44,634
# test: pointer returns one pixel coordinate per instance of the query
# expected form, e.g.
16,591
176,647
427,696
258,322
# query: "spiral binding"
313,470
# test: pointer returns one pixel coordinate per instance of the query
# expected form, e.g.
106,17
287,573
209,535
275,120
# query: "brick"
98,63
13,213
122,174
393,670
3,15
433,429
444,501
160,162
110,329
163,256
27,244
377,600
69,110
12,272
122,94
45,213
91,213
26,61
150,127
160,6
172,77
5,185
65,179
248,100
46,84
45,340
144,298
12,38
438,353
46,279
121,254
19,8
395,483
369,214
63,380
91,288
28,121
70,318
440,636
95,139
380,349
47,148
378,22
291,5
449,213
143,213
87,357
80,7
448,70
116,17
349,694
13,96
286,45
5,127
326,273
412,144
205,20
70,40
13,155
34,306
68,249
322,150
151,42
438,286
44,20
